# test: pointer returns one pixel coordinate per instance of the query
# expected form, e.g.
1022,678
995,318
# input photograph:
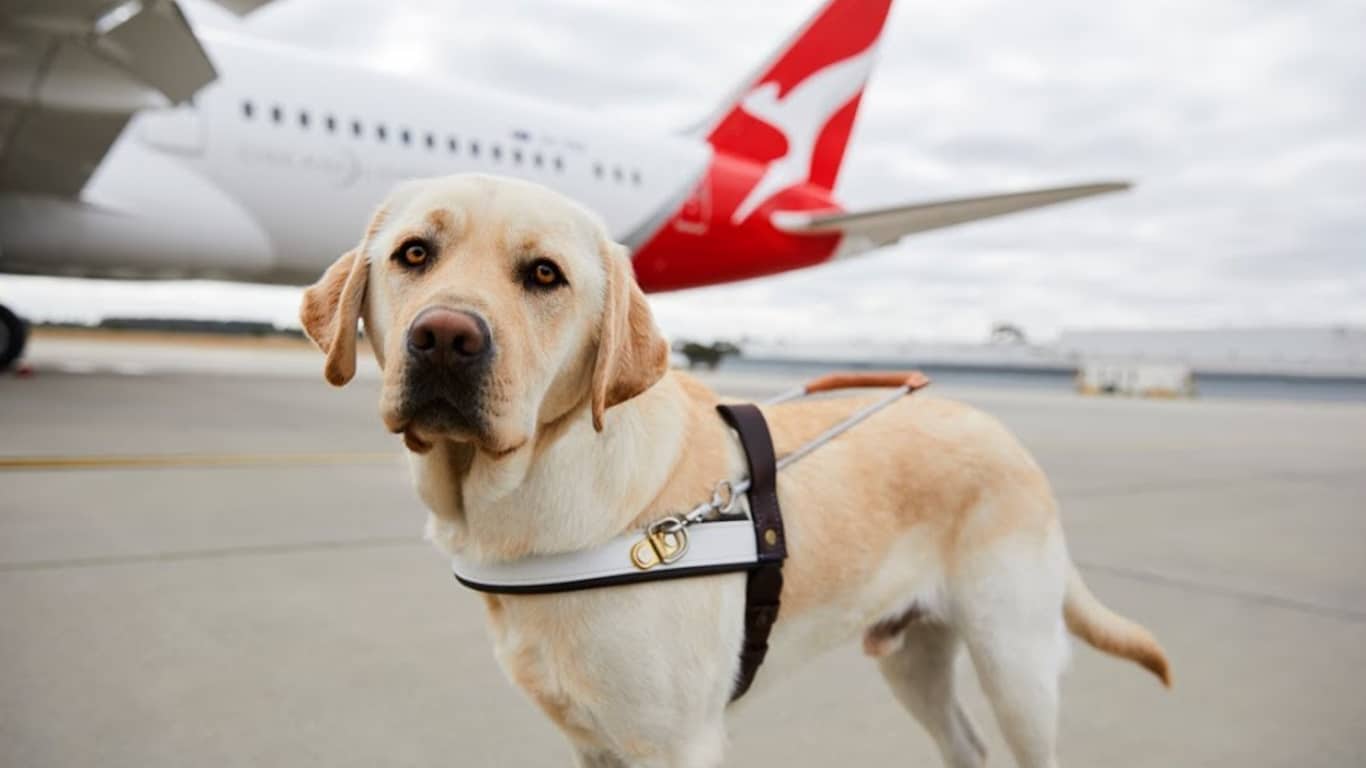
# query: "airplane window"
405,135
474,149
517,156
247,109
331,124
303,119
559,163
451,144
597,170
537,160
355,128
276,113
616,173
497,152
635,177
431,141
381,132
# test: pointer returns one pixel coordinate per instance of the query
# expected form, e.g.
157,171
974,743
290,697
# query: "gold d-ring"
665,542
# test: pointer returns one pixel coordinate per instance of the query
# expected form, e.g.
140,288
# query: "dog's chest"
627,659
535,652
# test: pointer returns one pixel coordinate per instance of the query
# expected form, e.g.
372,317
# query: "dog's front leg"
695,747
596,757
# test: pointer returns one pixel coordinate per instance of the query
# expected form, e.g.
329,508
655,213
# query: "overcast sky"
1243,124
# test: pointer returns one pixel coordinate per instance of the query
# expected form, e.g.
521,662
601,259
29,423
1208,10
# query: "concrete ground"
262,596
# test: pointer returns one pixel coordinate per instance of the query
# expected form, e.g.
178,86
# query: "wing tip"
818,222
1103,187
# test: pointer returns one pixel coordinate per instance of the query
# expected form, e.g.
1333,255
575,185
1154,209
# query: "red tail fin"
798,109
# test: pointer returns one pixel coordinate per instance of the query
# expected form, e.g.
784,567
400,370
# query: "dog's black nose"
448,337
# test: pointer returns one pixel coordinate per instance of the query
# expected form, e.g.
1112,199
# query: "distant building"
1318,352
1146,379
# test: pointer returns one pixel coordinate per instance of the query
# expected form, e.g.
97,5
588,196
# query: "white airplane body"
223,188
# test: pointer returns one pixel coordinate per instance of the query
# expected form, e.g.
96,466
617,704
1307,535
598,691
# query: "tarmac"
210,557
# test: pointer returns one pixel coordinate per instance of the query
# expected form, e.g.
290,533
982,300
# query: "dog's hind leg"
921,674
1012,623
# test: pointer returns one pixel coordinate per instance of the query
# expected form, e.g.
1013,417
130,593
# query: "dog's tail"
1107,631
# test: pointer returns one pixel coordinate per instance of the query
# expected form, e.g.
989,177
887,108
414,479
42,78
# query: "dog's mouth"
435,399
428,405
424,422
421,422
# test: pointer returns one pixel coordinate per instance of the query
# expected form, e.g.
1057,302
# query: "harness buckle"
665,542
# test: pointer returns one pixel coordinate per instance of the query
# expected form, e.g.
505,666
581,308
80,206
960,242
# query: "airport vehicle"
135,146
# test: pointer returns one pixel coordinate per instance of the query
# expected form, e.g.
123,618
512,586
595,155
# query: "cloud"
1241,123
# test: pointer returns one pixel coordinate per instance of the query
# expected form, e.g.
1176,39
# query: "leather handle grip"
912,380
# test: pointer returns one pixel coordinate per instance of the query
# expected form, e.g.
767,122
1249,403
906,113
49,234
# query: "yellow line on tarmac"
158,461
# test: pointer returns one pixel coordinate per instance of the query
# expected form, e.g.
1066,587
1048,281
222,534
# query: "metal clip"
723,498
665,542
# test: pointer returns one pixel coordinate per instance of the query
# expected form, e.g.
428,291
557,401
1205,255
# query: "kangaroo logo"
800,116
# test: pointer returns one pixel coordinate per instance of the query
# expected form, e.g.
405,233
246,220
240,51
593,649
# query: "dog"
532,389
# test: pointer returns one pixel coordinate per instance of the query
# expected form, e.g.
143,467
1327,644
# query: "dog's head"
494,307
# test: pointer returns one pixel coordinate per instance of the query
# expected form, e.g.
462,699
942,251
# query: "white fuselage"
276,166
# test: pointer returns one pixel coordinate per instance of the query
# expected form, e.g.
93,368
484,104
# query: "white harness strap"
713,547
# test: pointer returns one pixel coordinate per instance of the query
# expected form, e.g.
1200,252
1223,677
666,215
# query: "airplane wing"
883,226
73,72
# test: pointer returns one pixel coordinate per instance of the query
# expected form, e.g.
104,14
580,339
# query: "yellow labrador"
525,373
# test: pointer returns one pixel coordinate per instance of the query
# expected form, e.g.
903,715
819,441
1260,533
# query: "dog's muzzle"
449,356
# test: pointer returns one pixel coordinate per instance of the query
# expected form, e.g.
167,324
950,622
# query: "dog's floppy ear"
632,354
330,311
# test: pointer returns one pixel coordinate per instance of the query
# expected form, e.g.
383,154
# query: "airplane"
134,146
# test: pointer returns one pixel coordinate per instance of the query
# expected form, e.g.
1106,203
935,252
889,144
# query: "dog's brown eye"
415,254
544,274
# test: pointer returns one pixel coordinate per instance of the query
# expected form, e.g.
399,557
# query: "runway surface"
209,557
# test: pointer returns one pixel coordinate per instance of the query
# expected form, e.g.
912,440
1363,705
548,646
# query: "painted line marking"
170,460
248,550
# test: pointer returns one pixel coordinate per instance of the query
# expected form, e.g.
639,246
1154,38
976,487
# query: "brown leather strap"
748,422
912,380
764,589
